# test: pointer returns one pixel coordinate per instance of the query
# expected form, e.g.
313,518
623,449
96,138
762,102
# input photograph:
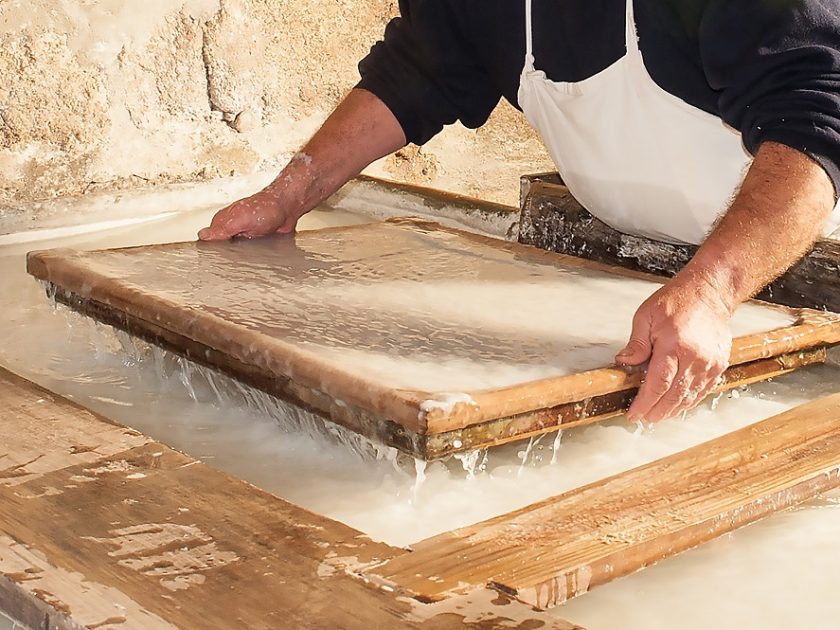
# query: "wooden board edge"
527,397
551,219
595,409
356,419
558,586
32,612
407,409
79,284
429,445
557,590
437,198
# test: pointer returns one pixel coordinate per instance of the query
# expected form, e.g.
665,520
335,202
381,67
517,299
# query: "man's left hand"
684,333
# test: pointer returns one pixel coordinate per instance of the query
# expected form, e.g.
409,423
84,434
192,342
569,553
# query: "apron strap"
631,34
529,36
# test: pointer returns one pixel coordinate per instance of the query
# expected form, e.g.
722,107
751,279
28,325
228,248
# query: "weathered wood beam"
562,547
101,526
553,220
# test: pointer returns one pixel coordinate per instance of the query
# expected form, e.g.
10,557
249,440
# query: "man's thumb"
638,349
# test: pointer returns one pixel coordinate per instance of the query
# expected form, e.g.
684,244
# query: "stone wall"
110,94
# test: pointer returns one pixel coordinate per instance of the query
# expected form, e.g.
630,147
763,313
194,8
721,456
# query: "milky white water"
8,624
781,573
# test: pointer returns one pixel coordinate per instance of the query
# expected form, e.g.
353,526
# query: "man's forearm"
775,218
683,329
360,130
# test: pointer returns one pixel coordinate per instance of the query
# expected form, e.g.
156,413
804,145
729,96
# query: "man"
698,121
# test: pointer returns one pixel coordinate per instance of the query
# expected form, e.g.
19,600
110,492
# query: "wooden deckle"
102,527
562,547
425,338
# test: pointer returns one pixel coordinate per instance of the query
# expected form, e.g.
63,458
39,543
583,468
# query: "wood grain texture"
425,445
599,408
101,527
562,547
266,353
553,220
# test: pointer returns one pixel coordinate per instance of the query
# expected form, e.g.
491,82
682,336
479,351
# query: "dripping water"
419,478
470,461
555,447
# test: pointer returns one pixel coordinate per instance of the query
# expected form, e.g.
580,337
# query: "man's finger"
714,374
215,231
639,348
661,373
225,224
636,352
212,234
288,226
698,380
707,389
682,395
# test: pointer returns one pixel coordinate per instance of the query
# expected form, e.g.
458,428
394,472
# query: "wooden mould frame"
101,526
396,417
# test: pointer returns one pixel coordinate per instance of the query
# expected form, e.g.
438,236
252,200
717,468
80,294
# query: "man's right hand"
360,130
260,214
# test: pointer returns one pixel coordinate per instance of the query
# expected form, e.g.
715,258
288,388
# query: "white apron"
640,159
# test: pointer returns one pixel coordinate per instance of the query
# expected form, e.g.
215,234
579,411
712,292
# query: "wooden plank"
402,199
553,220
428,446
390,329
562,547
101,527
600,408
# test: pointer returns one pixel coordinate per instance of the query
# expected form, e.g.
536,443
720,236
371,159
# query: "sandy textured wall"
109,94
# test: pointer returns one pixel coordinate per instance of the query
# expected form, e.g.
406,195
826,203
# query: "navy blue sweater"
768,68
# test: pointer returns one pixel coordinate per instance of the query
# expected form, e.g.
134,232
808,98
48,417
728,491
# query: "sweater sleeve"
776,65
426,73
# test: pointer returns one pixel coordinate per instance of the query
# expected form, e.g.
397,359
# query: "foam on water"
780,573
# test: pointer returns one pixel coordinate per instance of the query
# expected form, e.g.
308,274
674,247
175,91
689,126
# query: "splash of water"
642,427
419,478
470,461
207,386
185,374
50,290
555,447
524,455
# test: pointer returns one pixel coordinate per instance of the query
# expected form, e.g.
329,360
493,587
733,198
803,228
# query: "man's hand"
361,129
683,329
260,214
686,337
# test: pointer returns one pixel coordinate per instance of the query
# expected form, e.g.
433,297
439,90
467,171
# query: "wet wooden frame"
101,525
104,527
562,547
397,417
